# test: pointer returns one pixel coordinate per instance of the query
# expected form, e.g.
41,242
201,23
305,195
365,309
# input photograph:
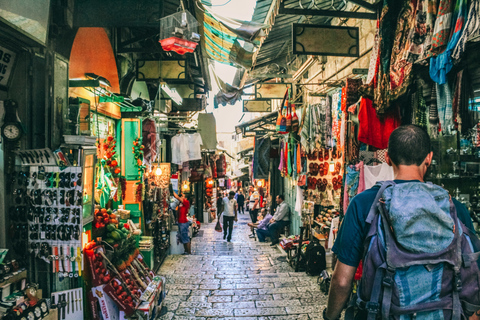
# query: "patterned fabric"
457,100
336,115
444,105
442,64
443,24
374,57
471,26
420,37
433,114
400,67
351,92
380,155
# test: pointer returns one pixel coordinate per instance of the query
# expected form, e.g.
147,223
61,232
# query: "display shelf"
20,276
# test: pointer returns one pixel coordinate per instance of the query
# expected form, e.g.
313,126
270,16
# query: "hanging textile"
374,58
281,166
221,37
441,65
400,68
444,106
305,130
433,120
420,38
336,113
373,130
149,134
443,24
471,26
208,131
354,183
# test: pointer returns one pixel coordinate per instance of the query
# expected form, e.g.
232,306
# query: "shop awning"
260,126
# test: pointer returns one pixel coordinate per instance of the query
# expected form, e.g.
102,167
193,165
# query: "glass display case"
85,157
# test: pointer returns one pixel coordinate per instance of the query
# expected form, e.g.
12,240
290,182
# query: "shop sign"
271,90
325,40
7,62
257,105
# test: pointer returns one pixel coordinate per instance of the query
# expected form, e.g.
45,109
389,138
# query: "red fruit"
129,299
97,271
102,225
98,225
114,284
98,257
130,287
119,290
106,220
126,226
123,295
99,264
106,279
105,215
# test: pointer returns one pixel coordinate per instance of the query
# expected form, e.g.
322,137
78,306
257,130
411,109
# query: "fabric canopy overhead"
222,38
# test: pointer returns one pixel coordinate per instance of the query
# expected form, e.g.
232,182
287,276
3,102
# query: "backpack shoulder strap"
373,209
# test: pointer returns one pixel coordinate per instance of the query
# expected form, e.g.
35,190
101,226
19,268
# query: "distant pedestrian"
241,202
254,204
229,215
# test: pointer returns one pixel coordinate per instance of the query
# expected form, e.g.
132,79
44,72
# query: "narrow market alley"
242,279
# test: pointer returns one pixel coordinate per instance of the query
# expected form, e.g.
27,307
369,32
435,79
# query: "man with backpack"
419,253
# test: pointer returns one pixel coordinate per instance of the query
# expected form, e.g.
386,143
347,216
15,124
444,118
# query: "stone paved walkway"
243,279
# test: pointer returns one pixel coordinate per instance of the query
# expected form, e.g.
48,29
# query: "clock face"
31,316
11,131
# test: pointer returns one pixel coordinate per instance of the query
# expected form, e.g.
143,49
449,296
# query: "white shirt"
180,149
253,197
373,174
228,207
194,142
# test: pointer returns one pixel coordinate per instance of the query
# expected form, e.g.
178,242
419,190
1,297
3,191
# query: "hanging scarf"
441,65
400,68
298,160
471,26
433,114
444,105
305,132
294,168
282,158
420,38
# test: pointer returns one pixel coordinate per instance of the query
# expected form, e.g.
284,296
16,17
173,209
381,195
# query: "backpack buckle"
387,281
372,307
458,282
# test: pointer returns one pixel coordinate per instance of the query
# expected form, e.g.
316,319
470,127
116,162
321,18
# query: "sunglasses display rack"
49,198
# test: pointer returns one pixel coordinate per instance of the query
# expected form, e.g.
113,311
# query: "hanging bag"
218,226
289,118
295,122
281,121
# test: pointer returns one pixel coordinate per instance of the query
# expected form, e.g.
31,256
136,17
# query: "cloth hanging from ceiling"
208,132
222,36
261,156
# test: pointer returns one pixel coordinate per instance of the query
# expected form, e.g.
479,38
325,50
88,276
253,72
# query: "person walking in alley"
253,204
280,219
183,223
229,215
241,202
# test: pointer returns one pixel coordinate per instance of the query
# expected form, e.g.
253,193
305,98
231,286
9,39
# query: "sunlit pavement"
241,279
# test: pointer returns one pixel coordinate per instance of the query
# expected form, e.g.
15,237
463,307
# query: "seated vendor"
262,226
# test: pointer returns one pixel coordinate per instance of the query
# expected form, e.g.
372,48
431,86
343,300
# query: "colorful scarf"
442,64
444,105
420,38
471,26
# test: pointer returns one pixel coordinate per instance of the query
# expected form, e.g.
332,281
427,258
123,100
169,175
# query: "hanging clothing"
420,38
444,106
471,26
443,24
374,58
179,149
400,67
194,146
354,183
149,140
373,174
336,115
441,65
373,130
282,158
433,121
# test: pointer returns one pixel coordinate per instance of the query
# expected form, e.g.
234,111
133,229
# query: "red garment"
373,130
183,211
